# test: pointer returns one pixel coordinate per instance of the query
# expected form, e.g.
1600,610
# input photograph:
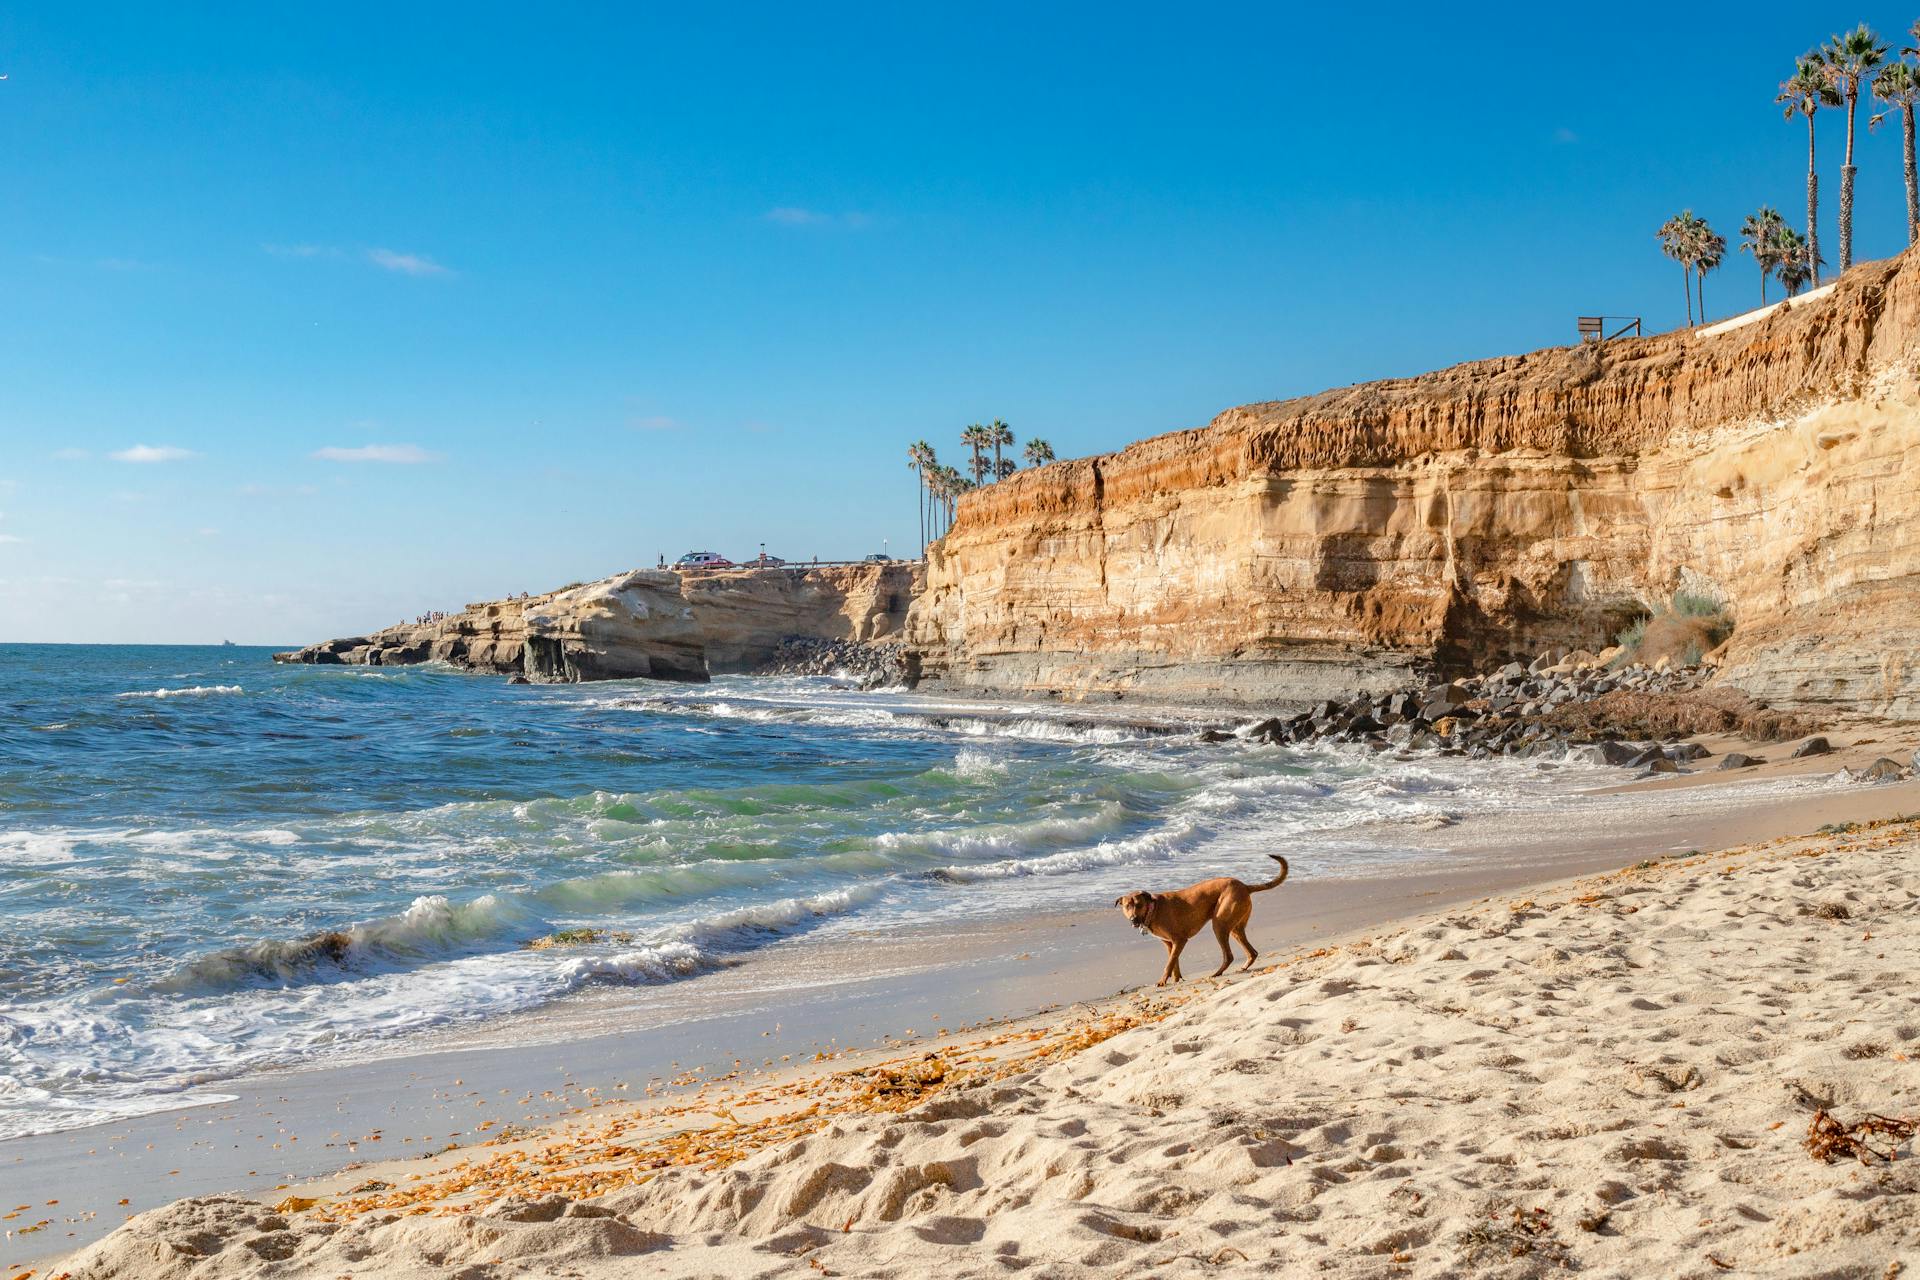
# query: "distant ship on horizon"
228,644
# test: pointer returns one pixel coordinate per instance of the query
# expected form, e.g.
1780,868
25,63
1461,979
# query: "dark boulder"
1268,730
1607,752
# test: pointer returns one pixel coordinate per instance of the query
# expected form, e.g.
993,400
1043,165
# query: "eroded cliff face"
744,614
645,623
1299,548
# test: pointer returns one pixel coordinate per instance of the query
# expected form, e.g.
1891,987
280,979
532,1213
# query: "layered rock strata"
744,614
1357,538
632,624
644,623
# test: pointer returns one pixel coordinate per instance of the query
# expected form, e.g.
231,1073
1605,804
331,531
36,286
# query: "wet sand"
796,1001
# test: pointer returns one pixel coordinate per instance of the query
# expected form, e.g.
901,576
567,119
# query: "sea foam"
192,691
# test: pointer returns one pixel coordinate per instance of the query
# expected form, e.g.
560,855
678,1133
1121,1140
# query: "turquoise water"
211,864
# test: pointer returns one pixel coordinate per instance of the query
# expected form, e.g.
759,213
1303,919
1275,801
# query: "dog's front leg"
1167,974
1173,959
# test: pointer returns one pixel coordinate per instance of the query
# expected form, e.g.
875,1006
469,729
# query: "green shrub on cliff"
1683,630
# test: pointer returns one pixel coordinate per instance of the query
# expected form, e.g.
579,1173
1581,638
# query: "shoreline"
697,1182
291,1127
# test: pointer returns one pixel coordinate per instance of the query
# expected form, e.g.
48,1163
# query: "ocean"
212,865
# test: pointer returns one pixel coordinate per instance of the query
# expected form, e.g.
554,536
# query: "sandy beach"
629,642
1613,1072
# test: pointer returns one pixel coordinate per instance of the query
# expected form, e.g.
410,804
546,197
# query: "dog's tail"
1276,881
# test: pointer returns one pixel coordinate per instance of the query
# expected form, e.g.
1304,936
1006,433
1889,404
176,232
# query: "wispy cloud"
10,540
654,422
407,264
789,215
148,453
403,454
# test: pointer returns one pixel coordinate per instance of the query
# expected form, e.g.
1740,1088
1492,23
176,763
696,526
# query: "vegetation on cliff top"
1832,75
941,485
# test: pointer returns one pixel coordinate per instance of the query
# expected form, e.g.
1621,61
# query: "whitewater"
211,865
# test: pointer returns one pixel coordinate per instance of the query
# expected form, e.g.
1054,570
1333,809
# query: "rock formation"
645,623
632,624
745,613
1297,549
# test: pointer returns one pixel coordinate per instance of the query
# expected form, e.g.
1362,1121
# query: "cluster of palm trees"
1831,76
941,485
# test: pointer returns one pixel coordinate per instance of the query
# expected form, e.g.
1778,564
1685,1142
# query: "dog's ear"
1122,898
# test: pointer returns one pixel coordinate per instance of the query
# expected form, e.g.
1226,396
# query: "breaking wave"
431,928
192,691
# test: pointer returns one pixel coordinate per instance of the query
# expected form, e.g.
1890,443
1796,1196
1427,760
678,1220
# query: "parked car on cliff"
703,560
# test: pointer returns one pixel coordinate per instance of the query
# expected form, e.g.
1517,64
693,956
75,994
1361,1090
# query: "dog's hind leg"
1240,935
1220,930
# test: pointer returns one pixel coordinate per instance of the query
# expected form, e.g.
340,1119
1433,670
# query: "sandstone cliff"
1292,549
744,614
644,623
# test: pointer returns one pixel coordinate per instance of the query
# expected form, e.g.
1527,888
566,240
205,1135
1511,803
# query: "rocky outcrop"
632,624
1357,538
745,614
872,664
645,623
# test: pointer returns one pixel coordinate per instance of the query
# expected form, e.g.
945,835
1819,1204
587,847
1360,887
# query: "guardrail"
791,566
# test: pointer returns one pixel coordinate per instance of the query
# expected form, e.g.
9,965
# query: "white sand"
1615,1077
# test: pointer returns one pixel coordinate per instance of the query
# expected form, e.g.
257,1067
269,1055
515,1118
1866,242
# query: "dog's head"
1135,906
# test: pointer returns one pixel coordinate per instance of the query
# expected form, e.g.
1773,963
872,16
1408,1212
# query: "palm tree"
952,485
1760,236
1797,263
1708,249
1898,85
935,486
920,458
1805,93
1004,468
978,439
1039,452
1848,60
1678,236
1000,434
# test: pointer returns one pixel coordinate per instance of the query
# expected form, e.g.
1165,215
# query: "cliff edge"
1293,549
644,623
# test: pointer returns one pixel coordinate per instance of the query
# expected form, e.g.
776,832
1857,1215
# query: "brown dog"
1175,917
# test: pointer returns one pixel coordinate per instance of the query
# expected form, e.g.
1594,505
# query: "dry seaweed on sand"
706,1133
1510,1231
1829,1140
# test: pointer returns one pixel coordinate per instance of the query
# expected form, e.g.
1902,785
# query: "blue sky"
312,320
